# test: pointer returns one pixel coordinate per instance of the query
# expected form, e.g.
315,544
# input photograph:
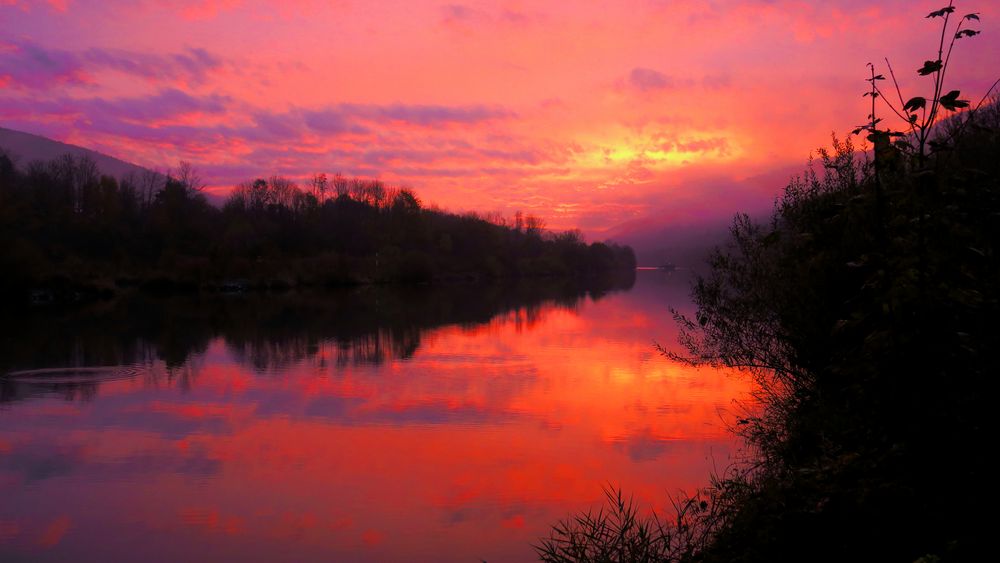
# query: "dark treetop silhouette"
68,228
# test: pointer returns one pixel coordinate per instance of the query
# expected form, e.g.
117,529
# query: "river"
376,424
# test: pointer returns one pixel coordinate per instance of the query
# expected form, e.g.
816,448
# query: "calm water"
446,425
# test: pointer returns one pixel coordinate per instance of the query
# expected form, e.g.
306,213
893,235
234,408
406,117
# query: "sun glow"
661,151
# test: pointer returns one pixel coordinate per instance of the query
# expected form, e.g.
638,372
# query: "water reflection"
265,332
444,425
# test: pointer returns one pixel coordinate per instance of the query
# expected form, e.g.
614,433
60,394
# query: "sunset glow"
588,114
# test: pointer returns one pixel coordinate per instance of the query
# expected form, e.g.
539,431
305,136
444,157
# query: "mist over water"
448,424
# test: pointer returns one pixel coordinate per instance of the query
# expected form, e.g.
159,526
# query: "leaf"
972,16
929,67
966,33
941,12
951,102
878,137
954,105
915,103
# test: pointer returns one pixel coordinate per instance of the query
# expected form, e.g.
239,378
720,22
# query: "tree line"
64,224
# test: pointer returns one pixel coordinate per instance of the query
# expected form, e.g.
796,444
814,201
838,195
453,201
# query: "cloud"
55,5
515,17
275,126
716,81
192,65
204,10
235,140
29,65
525,156
647,79
426,115
459,12
359,119
462,15
331,121
169,103
715,144
194,10
231,140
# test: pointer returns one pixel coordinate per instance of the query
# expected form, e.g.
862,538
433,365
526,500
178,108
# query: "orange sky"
589,114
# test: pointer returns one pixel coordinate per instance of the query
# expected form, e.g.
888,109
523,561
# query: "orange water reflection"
467,448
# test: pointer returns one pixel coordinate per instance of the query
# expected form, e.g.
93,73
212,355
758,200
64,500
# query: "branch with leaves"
921,113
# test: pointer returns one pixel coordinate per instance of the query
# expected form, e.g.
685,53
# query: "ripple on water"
91,374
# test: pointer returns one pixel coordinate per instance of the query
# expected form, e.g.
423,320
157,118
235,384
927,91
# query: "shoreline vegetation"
71,232
865,312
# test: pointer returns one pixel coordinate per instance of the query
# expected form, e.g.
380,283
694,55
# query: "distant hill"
25,148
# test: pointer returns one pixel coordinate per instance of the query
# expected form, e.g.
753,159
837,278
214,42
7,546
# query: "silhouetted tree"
70,223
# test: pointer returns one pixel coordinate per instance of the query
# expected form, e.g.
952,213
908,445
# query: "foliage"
66,226
620,532
865,311
617,533
918,119
866,319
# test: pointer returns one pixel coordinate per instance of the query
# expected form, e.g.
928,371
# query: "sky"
590,115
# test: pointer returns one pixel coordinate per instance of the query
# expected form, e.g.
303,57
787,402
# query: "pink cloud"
648,79
56,5
469,14
31,66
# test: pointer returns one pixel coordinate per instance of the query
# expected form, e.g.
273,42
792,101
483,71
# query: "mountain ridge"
25,148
